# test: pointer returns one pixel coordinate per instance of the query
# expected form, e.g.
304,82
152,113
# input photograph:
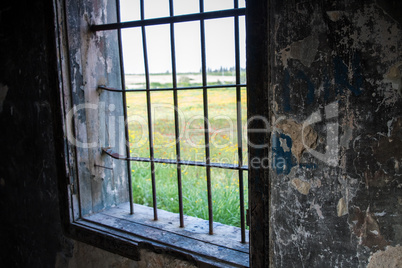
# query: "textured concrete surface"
335,187
86,256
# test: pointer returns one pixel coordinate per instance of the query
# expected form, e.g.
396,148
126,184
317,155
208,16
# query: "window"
98,44
162,104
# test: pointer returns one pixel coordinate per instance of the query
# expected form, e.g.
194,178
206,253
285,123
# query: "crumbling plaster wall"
336,175
88,60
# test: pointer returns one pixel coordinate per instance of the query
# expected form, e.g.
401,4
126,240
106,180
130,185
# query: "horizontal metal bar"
166,20
172,88
109,168
116,155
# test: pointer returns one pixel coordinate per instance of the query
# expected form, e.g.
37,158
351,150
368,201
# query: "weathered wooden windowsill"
223,249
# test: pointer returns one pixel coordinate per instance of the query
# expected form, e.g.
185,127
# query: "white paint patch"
109,64
284,145
341,207
380,214
317,208
389,125
3,94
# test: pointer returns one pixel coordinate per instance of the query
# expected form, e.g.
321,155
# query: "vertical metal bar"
239,128
150,129
123,85
176,116
206,121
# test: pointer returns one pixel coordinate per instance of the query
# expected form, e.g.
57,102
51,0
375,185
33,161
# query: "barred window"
156,119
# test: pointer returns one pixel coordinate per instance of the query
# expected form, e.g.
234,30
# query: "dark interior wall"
30,161
339,60
29,208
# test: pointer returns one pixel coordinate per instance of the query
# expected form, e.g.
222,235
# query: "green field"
223,149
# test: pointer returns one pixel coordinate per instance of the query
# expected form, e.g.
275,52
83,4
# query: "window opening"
147,25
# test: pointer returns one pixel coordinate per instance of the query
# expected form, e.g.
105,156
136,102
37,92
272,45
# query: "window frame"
129,246
200,17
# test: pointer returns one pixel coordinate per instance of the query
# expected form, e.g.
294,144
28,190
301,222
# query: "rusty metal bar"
116,155
126,131
239,125
169,89
171,19
176,116
206,121
150,130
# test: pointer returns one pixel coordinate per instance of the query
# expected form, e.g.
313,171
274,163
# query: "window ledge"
192,242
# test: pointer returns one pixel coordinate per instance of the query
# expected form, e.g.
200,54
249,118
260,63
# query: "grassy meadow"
223,147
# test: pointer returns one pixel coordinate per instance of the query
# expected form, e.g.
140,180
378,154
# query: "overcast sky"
219,34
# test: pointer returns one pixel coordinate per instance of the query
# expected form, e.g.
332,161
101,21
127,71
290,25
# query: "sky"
219,36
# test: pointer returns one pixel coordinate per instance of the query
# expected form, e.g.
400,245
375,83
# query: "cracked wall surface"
336,187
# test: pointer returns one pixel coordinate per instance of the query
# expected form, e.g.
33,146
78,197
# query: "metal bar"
167,20
239,127
99,166
206,122
116,155
126,132
176,116
166,89
150,130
